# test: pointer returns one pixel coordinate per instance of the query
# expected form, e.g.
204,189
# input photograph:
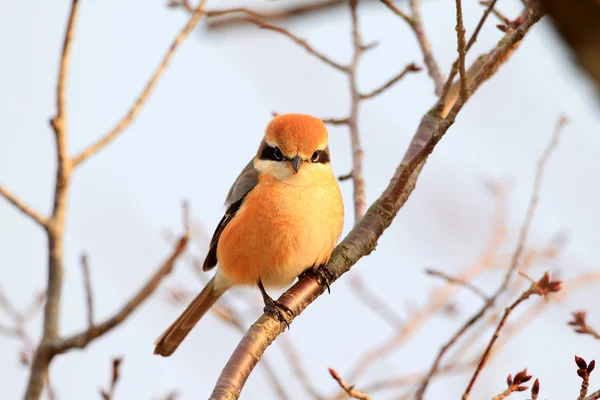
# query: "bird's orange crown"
297,134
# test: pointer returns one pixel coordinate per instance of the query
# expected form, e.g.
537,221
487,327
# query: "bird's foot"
277,309
321,275
280,311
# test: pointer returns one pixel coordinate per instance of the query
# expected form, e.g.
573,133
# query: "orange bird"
284,216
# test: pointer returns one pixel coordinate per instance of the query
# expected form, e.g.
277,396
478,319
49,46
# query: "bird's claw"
280,311
322,276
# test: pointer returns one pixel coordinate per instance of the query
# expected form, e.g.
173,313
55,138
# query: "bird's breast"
280,231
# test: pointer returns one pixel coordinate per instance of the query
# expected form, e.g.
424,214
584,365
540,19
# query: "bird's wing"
244,183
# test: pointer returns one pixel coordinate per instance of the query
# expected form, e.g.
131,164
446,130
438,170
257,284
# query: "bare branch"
542,288
376,304
255,18
458,281
514,261
335,121
359,196
352,392
460,38
81,340
296,364
593,396
24,208
115,375
299,10
515,385
89,296
143,97
397,11
449,85
409,68
580,325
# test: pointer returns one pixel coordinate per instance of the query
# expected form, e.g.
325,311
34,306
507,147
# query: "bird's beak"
296,163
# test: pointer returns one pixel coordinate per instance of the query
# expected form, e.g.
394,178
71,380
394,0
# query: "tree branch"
82,339
514,261
143,97
542,287
255,18
362,239
55,224
412,67
24,208
414,21
89,296
461,41
349,389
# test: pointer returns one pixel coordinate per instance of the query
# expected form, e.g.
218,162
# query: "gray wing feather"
244,183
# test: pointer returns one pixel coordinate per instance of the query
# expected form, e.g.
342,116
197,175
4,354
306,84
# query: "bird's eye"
277,153
315,156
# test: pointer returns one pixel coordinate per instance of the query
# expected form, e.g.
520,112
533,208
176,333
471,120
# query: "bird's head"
293,143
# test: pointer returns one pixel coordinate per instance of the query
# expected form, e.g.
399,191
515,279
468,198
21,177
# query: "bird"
284,215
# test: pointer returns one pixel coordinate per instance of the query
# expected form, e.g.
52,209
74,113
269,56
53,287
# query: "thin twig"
296,364
542,287
540,169
454,70
297,10
82,339
359,196
458,281
514,385
24,208
581,326
376,304
335,121
255,18
144,95
352,392
108,394
594,396
89,296
412,67
461,41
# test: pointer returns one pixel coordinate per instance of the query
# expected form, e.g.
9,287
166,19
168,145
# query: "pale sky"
212,105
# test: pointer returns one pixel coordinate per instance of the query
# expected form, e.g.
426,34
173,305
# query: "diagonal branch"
458,281
255,18
409,68
362,239
414,21
143,97
82,339
24,208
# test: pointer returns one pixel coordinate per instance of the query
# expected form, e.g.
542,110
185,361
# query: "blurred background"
204,122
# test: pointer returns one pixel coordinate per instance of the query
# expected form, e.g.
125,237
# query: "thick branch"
141,100
362,239
25,209
55,225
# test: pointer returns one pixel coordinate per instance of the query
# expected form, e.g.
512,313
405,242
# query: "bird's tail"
168,342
